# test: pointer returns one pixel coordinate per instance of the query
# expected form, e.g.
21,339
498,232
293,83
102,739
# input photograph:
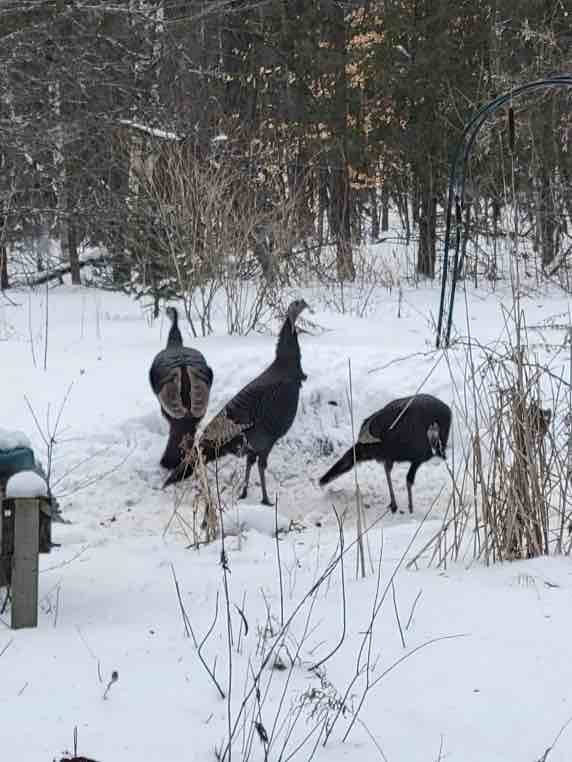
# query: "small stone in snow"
26,484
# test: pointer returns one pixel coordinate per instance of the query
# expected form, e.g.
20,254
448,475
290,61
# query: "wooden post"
2,495
25,563
4,562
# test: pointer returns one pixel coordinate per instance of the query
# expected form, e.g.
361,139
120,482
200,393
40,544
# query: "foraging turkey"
410,429
259,415
181,380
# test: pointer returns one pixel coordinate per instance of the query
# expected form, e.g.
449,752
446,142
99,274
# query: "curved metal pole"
457,178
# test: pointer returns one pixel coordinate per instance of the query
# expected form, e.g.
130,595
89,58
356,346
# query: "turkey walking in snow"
410,429
181,380
259,415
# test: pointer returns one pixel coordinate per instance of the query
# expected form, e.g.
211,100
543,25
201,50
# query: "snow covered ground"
473,662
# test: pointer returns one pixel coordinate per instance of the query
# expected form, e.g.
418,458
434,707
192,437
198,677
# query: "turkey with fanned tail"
410,429
258,416
181,381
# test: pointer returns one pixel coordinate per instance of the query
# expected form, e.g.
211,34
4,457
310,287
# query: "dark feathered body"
409,429
181,380
259,415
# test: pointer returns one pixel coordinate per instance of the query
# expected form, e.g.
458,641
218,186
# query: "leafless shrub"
219,240
196,496
511,483
373,272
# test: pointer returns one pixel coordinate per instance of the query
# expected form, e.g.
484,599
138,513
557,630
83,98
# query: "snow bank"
26,484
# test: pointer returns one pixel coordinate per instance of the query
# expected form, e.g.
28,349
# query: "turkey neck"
288,350
175,339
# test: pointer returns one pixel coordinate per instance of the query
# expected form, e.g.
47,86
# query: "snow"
26,484
473,661
10,440
244,518
153,131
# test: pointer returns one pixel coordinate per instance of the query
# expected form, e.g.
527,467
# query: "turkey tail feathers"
342,466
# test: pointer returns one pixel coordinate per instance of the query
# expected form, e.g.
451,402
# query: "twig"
326,574
360,560
417,597
544,757
373,739
293,660
244,622
113,679
90,652
397,614
30,330
367,640
66,563
49,434
98,477
402,358
57,608
344,602
420,647
191,633
280,580
181,606
226,588
46,329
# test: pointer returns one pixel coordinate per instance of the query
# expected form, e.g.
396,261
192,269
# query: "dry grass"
511,469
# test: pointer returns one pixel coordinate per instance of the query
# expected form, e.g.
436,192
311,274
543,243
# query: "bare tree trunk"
4,280
340,221
75,269
340,201
374,215
546,206
60,153
427,251
322,203
547,220
401,199
384,208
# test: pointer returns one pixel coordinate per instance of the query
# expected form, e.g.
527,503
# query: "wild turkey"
410,429
259,415
181,380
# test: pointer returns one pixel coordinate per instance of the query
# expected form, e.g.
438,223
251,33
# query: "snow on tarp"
263,519
26,484
10,440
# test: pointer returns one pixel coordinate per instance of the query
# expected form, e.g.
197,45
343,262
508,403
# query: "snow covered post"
24,491
16,454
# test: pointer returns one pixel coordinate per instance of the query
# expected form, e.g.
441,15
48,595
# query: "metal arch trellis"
456,195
